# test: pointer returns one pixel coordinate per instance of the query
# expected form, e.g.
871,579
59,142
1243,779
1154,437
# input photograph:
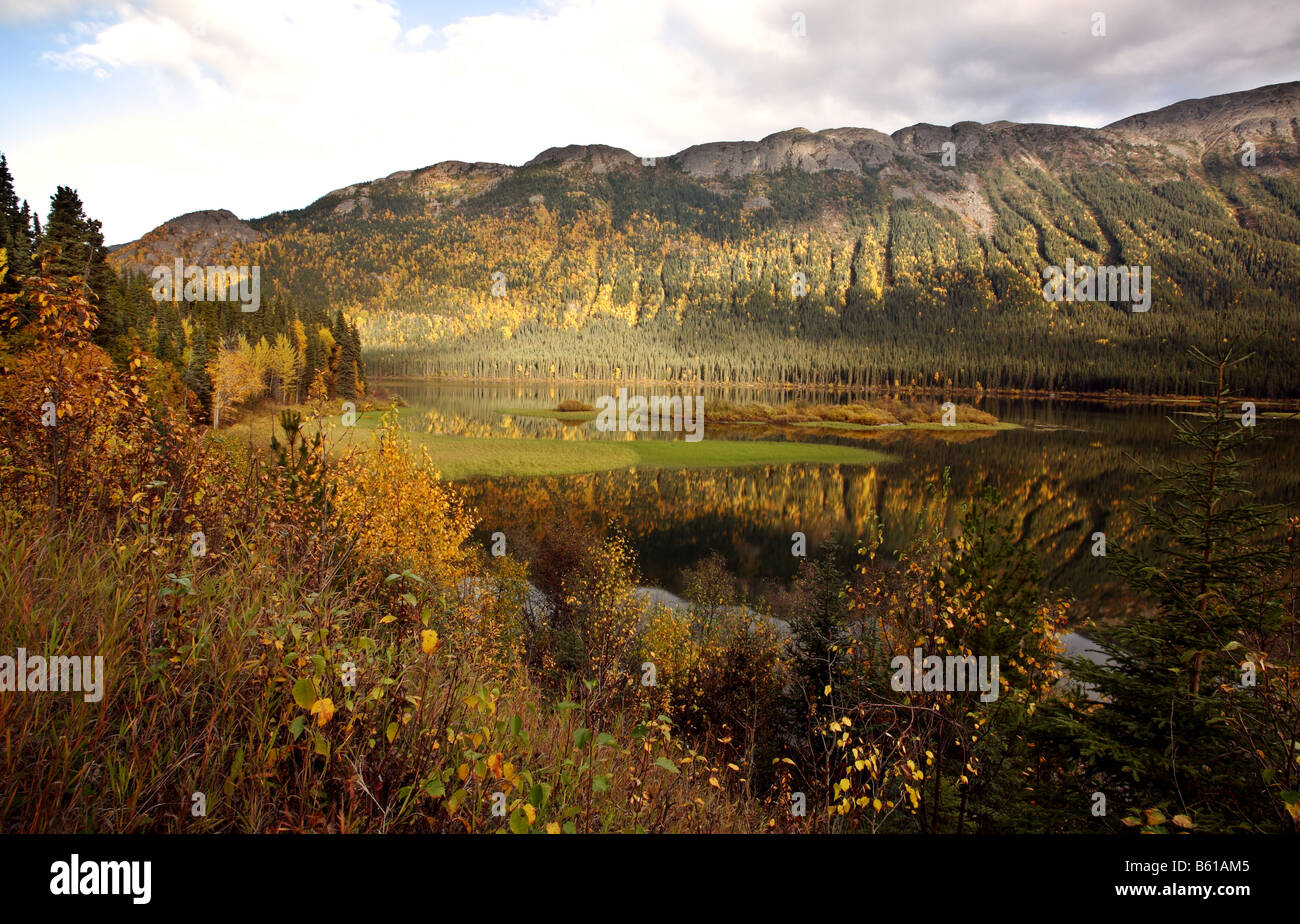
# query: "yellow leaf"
429,641
323,709
530,812
552,827
387,619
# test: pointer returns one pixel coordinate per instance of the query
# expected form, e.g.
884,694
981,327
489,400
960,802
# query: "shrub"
572,404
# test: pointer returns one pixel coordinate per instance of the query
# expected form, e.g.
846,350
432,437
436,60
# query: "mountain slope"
1269,113
201,238
843,255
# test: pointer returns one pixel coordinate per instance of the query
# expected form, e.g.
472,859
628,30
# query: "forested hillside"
204,354
843,256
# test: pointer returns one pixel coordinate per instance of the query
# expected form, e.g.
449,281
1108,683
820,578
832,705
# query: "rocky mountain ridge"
910,159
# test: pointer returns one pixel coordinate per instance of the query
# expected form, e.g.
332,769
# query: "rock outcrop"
910,163
599,158
202,238
1268,114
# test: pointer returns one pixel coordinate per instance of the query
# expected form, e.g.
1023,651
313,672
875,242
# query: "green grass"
925,425
726,453
458,457
462,456
544,412
817,424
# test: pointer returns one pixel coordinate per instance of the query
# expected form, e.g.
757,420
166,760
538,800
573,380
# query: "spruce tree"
1162,736
73,247
166,349
73,241
349,360
15,231
196,373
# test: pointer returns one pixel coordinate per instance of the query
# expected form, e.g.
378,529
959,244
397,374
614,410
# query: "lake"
1072,469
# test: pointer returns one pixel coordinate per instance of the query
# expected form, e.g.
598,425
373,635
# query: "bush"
572,404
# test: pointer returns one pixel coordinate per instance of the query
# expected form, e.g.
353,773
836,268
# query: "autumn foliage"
308,637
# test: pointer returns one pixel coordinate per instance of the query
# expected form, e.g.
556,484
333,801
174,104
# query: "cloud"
418,35
259,105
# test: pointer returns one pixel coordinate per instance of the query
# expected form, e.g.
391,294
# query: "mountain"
1229,120
838,256
200,238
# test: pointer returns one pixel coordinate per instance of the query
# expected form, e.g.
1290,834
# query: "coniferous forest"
828,278
280,349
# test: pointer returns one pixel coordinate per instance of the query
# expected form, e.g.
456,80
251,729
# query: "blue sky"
153,108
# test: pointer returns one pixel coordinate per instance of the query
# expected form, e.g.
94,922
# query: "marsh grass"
882,413
460,457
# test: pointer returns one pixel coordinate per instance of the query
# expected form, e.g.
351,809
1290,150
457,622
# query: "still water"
1073,469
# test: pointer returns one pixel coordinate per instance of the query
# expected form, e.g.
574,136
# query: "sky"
154,108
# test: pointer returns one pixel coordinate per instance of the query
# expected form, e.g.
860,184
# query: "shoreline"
899,392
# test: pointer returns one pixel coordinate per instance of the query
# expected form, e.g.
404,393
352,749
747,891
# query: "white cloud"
259,105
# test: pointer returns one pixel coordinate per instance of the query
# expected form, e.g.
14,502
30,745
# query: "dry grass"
886,412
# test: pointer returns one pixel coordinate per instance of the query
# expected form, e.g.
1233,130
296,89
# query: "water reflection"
1072,470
